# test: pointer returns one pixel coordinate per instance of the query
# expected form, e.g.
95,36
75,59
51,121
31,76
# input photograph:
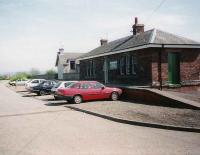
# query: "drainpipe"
160,66
105,70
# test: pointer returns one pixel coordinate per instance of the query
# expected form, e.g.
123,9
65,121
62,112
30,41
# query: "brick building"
152,58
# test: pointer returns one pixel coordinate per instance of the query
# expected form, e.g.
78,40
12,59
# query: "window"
35,81
94,68
85,86
72,65
67,84
57,85
128,64
97,85
87,70
75,85
113,65
90,69
122,65
134,64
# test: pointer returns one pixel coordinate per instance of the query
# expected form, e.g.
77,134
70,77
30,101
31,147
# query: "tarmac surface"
29,126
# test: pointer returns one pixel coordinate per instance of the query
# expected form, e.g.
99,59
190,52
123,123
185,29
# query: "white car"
33,83
21,82
61,84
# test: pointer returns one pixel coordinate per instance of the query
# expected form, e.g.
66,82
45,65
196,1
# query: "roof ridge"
153,36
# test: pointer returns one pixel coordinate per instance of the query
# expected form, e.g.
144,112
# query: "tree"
34,71
20,75
2,77
51,72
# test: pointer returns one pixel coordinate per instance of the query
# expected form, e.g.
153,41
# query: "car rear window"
57,85
68,84
74,85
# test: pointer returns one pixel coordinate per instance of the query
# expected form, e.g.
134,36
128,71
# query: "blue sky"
32,31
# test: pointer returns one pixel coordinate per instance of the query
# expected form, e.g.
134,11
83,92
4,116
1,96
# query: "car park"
61,84
88,90
43,88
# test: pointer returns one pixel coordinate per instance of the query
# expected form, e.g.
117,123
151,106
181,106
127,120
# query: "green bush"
51,72
22,76
2,78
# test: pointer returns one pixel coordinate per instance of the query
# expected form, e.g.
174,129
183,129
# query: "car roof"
37,79
87,81
68,81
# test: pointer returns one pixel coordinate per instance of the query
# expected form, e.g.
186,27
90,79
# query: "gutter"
144,46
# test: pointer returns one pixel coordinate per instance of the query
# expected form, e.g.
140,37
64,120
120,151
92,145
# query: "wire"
156,9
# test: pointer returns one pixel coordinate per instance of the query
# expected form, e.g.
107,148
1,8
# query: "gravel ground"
131,111
192,95
144,113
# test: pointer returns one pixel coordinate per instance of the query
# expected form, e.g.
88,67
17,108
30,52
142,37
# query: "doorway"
174,68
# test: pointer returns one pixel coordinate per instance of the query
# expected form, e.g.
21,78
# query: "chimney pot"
61,50
136,20
137,28
103,42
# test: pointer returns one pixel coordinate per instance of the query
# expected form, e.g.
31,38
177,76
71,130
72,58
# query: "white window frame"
94,68
121,64
128,65
133,63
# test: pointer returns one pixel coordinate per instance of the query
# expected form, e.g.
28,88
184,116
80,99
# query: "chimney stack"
103,41
137,28
61,50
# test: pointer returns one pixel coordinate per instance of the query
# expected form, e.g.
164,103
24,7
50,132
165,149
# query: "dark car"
43,88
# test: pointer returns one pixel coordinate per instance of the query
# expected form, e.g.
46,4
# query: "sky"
32,31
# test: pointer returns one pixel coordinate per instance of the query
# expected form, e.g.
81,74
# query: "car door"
85,91
91,92
96,90
34,83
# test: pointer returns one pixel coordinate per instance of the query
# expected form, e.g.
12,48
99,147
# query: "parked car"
43,88
33,83
61,84
12,83
89,90
19,82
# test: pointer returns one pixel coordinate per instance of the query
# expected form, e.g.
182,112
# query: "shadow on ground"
21,91
58,103
31,95
51,99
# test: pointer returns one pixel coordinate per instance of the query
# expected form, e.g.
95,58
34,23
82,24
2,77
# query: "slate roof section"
137,40
107,47
153,36
62,57
169,38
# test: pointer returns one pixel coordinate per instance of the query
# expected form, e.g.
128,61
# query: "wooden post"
160,66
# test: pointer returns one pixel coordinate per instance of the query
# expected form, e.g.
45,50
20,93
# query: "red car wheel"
114,96
78,99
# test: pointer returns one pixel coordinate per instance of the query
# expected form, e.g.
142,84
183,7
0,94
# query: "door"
174,68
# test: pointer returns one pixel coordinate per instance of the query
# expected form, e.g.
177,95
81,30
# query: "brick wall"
189,65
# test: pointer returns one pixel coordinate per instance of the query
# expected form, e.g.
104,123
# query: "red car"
88,90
